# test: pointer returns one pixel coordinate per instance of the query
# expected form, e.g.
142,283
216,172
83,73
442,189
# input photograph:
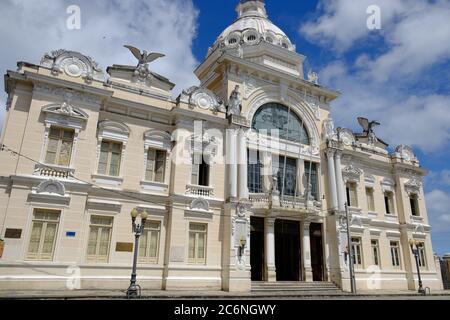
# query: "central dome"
253,26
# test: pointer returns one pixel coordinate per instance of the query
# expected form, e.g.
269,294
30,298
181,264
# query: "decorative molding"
158,139
73,64
113,130
199,207
406,153
369,180
50,191
351,174
202,98
346,136
387,185
46,89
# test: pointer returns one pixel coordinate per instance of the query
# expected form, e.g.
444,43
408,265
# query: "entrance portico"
286,250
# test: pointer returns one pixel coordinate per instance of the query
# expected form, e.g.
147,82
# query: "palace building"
245,178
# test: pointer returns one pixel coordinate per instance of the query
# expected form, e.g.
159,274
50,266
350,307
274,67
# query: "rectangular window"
59,147
43,235
99,239
200,171
422,256
414,203
352,198
289,176
254,172
370,200
312,167
156,165
376,252
149,242
357,252
197,243
389,202
395,254
110,158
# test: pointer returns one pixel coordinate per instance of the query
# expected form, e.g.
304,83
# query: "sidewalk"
160,295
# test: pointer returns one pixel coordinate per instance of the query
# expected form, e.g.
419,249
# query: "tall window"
288,176
99,239
376,252
395,254
389,202
312,167
43,235
370,200
197,243
156,165
422,256
149,243
352,198
357,252
276,119
110,157
414,203
59,147
200,171
254,172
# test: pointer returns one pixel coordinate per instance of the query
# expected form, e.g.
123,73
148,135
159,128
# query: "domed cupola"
251,28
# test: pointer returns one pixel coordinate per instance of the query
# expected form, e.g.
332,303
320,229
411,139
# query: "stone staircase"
298,287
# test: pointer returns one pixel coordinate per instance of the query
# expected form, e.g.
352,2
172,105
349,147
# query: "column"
232,162
332,179
242,156
340,182
307,251
300,174
269,238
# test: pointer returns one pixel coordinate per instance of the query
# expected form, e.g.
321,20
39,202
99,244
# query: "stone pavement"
201,295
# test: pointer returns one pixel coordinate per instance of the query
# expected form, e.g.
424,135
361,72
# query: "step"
295,286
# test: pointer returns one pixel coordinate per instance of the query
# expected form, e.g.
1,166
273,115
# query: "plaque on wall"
124,247
13,233
177,254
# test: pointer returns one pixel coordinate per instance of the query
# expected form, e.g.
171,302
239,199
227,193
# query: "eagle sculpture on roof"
368,128
144,57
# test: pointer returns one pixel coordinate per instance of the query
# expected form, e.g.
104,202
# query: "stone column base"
271,274
308,275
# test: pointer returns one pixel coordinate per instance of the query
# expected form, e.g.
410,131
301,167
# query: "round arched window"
251,37
276,119
232,41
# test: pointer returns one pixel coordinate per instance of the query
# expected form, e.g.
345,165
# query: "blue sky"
398,75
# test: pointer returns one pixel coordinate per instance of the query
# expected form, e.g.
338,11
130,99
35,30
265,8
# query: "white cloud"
378,83
32,28
438,204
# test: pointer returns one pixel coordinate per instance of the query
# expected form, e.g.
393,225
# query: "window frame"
146,258
351,187
60,141
396,261
389,203
155,160
196,260
97,258
357,250
370,197
375,245
414,205
110,143
422,257
255,181
38,256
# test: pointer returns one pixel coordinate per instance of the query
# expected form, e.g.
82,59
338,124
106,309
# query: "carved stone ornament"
74,64
405,152
67,94
313,77
351,173
51,187
235,103
329,132
66,109
413,185
200,205
346,137
202,98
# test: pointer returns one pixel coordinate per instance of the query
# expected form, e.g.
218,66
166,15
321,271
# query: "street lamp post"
134,290
350,252
415,245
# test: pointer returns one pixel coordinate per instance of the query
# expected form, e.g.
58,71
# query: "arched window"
274,116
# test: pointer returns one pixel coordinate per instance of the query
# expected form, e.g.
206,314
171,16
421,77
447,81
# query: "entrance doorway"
257,248
316,239
287,250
